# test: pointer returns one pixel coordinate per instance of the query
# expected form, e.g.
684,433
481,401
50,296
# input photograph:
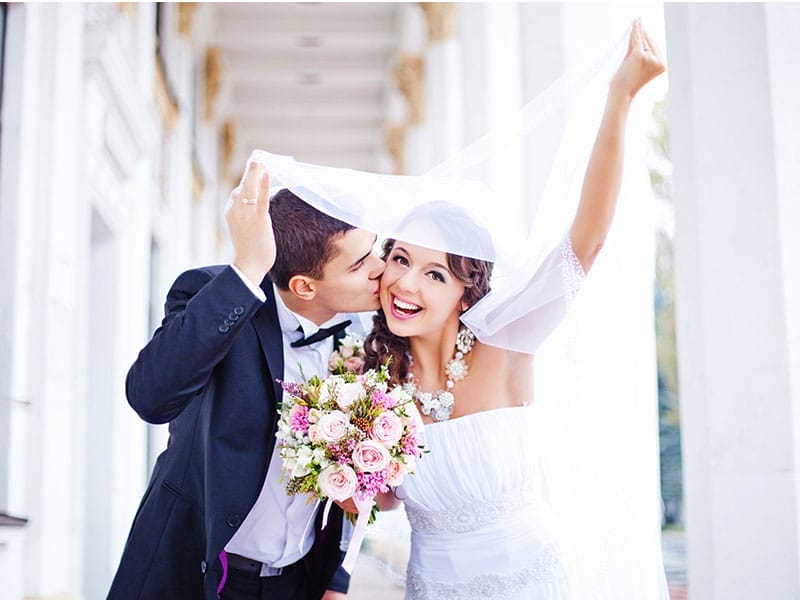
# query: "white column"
490,38
418,140
734,134
443,82
41,200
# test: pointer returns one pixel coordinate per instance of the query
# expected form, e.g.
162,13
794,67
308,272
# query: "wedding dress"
481,524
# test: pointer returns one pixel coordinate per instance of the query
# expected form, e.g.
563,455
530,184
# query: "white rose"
414,419
332,426
349,393
337,482
400,395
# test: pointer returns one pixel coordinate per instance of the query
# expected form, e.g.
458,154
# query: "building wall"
104,198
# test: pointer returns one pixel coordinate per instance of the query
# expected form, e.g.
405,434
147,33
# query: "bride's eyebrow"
439,265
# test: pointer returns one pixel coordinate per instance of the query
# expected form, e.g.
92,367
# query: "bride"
481,523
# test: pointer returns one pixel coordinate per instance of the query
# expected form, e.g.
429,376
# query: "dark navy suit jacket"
209,371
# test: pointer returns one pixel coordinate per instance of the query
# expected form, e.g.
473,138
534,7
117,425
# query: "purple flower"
298,418
292,388
383,400
410,444
371,484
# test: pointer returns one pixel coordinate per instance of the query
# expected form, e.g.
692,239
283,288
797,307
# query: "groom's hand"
250,225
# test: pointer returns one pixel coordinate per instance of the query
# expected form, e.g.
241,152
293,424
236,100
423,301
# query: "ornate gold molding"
409,74
396,144
213,78
166,104
129,9
228,135
198,185
186,12
442,18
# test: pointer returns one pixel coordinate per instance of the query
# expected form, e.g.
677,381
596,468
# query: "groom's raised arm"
205,309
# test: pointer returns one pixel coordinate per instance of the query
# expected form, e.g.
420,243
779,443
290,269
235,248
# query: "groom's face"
351,278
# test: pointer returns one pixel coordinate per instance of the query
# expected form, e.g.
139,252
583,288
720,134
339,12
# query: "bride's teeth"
405,305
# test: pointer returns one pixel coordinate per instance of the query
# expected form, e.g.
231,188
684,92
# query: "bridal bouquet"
348,436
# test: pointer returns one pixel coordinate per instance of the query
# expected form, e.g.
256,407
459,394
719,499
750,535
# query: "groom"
215,520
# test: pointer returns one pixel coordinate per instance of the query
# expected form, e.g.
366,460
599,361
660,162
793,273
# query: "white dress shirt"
279,529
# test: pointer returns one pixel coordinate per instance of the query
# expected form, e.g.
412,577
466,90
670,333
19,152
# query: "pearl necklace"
439,404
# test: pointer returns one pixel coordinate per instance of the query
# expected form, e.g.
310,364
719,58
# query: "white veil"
600,456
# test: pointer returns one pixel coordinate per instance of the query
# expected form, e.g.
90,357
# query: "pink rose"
332,426
387,429
333,361
354,364
370,456
337,482
313,433
397,471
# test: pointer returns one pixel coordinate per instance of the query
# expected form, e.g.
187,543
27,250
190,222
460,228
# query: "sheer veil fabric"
599,450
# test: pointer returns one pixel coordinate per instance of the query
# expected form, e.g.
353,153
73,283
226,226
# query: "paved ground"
378,575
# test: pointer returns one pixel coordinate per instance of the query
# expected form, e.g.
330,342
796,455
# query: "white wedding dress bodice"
481,524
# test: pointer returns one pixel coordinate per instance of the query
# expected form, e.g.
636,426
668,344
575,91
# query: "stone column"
443,92
734,131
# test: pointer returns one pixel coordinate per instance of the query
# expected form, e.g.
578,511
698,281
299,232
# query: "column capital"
213,72
409,73
442,20
186,12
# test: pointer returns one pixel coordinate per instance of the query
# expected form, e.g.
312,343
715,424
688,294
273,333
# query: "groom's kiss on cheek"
351,278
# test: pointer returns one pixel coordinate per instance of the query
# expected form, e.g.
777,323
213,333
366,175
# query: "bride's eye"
400,259
436,276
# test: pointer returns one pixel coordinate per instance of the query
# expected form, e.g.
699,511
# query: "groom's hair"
304,238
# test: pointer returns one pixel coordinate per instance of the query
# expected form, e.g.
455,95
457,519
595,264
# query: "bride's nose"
408,283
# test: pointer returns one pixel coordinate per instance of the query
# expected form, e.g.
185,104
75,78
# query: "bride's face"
419,294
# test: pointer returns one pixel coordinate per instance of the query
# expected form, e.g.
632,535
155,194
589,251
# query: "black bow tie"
321,334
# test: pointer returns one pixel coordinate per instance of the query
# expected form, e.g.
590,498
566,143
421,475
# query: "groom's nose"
376,266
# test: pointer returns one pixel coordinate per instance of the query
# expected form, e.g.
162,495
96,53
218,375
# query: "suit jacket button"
203,567
233,316
239,310
223,329
228,323
233,520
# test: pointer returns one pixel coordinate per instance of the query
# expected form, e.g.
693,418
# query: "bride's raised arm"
603,177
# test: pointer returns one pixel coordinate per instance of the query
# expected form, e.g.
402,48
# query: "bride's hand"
348,505
641,64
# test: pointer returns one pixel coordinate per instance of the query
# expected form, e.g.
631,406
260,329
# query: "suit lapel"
270,336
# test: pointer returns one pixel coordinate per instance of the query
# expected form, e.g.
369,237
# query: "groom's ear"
303,287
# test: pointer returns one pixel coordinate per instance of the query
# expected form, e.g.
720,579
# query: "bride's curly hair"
475,274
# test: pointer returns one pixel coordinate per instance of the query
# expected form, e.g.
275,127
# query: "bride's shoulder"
499,356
